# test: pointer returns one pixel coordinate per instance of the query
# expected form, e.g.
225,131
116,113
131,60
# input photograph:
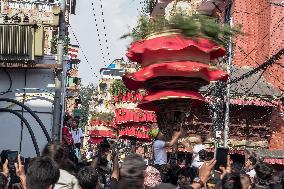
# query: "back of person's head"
281,178
165,186
203,138
88,178
253,160
245,180
132,172
184,178
42,173
237,167
231,181
263,171
3,181
57,152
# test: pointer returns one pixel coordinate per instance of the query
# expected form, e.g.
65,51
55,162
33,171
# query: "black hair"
253,160
88,178
203,138
104,144
281,177
132,172
3,180
184,172
77,120
237,167
231,181
205,155
58,153
42,173
191,172
263,171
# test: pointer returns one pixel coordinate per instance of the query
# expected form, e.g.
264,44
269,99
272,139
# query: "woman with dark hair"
59,154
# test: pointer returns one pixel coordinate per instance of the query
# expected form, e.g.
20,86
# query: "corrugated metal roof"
253,85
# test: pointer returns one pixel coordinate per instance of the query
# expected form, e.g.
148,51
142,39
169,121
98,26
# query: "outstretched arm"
20,172
174,139
115,169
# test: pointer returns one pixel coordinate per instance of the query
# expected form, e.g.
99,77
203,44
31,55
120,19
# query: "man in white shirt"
159,149
200,139
77,135
249,166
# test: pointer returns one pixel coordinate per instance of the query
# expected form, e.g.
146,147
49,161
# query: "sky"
119,15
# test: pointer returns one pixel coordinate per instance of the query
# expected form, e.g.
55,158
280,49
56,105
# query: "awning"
101,133
123,115
95,140
274,161
139,132
96,122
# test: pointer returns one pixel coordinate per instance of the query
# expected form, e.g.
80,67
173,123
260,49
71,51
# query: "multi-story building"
73,83
28,62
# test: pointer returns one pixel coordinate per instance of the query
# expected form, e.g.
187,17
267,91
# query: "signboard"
30,12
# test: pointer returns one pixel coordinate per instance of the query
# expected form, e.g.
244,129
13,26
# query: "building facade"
28,61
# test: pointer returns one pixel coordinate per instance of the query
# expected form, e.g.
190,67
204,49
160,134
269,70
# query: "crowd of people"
57,169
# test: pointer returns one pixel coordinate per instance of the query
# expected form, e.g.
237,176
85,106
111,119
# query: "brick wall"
277,124
263,26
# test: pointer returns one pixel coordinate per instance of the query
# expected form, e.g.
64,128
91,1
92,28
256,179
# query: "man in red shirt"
66,132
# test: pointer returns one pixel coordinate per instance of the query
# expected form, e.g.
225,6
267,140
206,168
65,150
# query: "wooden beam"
30,66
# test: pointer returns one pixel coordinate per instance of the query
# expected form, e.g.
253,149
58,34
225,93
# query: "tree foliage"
118,88
87,93
193,26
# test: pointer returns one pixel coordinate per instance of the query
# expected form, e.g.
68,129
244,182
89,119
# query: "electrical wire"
10,83
105,33
83,53
27,125
98,33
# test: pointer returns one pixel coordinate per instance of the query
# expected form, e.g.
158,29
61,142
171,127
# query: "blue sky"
120,16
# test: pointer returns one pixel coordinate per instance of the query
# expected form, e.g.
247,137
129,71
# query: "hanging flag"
73,51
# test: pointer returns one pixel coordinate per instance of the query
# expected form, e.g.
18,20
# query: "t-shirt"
77,134
251,173
160,153
89,154
196,161
67,181
68,134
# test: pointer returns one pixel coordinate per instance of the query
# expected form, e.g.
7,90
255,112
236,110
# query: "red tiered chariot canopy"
171,45
186,69
173,69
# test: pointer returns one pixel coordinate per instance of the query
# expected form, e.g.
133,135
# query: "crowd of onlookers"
55,169
59,167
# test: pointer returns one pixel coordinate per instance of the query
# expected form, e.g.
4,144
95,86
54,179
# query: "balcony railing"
20,43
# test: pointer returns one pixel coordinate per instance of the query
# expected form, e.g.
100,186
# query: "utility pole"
56,129
228,18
